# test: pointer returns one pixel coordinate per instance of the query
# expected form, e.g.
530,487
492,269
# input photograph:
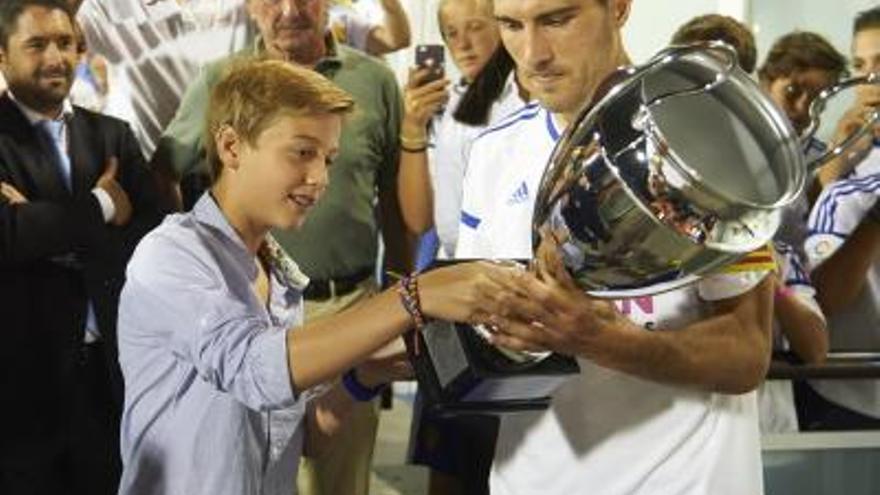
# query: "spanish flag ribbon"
759,260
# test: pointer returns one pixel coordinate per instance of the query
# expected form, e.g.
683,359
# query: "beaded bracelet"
408,289
358,390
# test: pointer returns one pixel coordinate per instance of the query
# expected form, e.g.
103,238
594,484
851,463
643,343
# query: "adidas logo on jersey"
520,195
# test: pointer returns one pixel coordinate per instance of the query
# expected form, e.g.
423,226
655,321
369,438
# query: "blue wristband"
358,390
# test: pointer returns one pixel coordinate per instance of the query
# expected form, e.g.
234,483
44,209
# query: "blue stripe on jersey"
824,220
551,128
512,115
825,217
526,113
470,220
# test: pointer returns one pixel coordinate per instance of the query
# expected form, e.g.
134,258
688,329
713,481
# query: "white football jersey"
448,153
610,433
606,432
505,167
838,211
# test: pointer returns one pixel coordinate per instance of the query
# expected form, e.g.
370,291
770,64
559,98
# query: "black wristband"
358,390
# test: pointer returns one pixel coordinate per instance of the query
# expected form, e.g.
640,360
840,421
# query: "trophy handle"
672,54
675,52
818,106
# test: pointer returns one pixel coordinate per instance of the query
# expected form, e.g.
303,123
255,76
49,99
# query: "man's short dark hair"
867,19
801,51
10,11
716,27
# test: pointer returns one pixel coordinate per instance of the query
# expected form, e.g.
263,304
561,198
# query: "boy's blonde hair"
255,92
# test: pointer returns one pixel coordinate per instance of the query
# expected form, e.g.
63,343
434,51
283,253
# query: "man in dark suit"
75,197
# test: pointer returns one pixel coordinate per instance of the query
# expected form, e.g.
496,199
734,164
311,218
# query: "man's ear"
621,9
228,146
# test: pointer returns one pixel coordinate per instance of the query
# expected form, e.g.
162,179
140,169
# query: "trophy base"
460,372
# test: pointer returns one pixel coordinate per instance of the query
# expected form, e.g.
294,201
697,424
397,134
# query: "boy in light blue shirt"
219,379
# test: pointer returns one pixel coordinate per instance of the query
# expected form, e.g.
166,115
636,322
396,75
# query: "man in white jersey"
844,249
670,410
508,159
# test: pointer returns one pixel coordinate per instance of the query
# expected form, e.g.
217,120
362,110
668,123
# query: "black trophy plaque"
460,372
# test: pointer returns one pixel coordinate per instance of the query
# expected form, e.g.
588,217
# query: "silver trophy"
680,167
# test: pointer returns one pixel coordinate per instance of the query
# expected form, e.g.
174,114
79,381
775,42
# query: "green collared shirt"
340,236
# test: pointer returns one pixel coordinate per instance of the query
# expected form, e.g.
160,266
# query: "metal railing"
838,366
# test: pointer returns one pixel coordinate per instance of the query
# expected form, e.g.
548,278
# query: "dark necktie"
51,132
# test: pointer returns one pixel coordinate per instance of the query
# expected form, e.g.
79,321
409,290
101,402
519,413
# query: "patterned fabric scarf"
282,265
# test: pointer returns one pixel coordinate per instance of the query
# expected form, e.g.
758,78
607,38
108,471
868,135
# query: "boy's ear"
228,146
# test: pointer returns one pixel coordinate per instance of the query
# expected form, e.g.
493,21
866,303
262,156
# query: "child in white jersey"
844,251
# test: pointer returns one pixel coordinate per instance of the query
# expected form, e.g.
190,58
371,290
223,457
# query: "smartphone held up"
431,57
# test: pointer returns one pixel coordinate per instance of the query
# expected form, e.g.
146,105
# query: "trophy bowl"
680,167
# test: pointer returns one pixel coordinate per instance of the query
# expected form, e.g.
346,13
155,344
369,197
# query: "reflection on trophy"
679,167
690,165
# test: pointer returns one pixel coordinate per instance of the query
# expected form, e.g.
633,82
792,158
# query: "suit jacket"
56,255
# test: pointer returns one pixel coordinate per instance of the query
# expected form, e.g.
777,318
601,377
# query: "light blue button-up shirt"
209,403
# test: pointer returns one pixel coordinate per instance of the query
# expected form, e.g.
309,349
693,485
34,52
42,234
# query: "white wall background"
649,28
832,18
423,22
653,22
